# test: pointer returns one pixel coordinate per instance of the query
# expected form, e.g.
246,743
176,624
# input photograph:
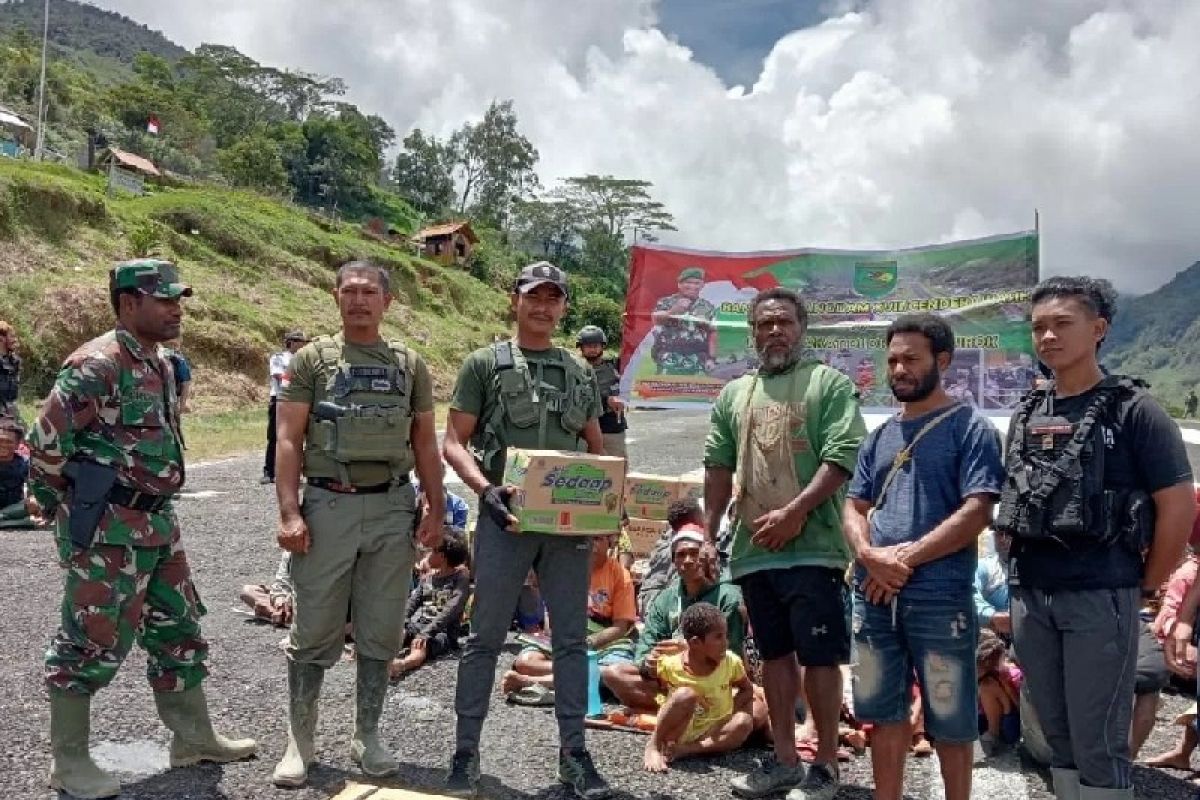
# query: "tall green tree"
424,173
619,207
494,164
255,162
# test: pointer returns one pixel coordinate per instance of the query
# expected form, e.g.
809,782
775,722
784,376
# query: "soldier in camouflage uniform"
683,332
591,342
113,413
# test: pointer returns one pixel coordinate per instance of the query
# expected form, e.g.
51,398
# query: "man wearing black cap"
524,393
278,366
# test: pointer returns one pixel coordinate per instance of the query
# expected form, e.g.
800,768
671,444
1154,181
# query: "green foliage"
424,174
145,239
495,164
494,261
598,310
255,162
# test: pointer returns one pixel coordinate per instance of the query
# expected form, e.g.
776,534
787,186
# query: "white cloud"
896,123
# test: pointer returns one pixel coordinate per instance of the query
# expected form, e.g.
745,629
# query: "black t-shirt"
1143,450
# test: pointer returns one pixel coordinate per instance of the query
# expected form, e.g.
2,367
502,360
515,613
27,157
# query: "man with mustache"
524,393
791,433
1099,502
106,460
922,493
356,417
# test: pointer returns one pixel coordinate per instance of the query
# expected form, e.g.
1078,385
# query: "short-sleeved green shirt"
474,394
308,378
831,431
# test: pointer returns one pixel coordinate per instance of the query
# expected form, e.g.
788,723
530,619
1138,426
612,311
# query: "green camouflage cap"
150,276
691,272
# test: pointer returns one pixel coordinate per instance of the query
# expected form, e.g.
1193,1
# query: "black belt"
138,501
341,488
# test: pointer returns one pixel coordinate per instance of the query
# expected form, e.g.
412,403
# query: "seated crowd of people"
677,658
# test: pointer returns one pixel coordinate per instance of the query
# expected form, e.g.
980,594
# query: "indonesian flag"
152,125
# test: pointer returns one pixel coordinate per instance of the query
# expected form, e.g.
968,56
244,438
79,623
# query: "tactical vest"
1054,487
606,377
12,482
374,416
521,397
10,372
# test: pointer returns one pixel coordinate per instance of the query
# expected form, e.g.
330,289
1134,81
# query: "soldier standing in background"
278,370
591,342
107,457
356,416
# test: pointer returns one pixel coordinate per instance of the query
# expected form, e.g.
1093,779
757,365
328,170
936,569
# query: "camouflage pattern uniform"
681,343
114,403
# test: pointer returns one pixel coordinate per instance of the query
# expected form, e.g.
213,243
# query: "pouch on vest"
516,397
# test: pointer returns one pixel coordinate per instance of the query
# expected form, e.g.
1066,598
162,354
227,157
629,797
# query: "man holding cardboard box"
791,431
526,393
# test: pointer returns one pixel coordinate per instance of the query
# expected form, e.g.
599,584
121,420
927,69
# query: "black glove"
494,502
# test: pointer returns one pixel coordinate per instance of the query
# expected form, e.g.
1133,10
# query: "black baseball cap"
538,273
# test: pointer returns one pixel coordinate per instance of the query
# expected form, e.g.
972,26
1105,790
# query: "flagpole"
41,119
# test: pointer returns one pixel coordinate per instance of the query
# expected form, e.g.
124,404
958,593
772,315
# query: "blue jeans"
932,641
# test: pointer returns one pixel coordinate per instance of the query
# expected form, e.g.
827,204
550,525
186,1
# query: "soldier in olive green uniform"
356,417
106,459
591,342
524,393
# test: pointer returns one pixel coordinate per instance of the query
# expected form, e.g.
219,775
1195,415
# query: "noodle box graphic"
566,493
650,496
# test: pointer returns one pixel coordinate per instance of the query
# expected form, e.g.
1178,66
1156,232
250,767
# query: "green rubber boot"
304,689
365,748
71,767
186,715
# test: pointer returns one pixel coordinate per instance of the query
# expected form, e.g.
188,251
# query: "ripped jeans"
930,641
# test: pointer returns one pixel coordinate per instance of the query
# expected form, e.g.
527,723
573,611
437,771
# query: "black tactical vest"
1055,488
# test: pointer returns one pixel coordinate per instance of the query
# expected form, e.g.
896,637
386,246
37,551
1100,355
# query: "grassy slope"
259,268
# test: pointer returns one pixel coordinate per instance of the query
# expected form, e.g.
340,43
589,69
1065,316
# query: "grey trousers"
502,560
1078,650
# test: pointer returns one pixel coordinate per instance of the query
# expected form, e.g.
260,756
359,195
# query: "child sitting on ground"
435,608
999,695
709,700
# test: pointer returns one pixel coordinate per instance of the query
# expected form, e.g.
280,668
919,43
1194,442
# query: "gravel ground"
227,522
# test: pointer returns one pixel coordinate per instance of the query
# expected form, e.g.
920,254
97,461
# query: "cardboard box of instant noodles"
564,492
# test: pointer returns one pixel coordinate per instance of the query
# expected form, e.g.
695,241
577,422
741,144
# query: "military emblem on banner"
875,279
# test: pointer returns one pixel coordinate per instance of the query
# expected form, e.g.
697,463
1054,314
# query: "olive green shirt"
308,380
474,394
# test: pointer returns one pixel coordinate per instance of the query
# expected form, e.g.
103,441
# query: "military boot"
71,767
365,748
304,689
186,715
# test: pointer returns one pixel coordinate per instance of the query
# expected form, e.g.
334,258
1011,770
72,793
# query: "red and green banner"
686,335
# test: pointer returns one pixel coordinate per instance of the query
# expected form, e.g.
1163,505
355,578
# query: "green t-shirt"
308,378
829,429
474,394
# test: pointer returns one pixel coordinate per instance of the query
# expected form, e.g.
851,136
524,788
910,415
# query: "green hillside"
1157,337
260,267
103,42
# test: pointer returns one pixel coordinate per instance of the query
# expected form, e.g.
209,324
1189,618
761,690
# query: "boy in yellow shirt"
707,706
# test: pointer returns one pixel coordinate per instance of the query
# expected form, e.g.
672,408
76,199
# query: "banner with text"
686,333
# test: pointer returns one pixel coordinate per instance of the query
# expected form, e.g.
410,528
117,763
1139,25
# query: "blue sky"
733,36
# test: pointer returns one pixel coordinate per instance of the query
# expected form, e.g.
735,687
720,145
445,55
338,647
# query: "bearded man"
791,433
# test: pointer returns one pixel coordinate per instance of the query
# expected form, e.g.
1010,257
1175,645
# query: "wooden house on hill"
449,243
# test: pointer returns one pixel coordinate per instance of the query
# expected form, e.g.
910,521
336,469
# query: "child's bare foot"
656,760
512,681
921,747
1172,759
